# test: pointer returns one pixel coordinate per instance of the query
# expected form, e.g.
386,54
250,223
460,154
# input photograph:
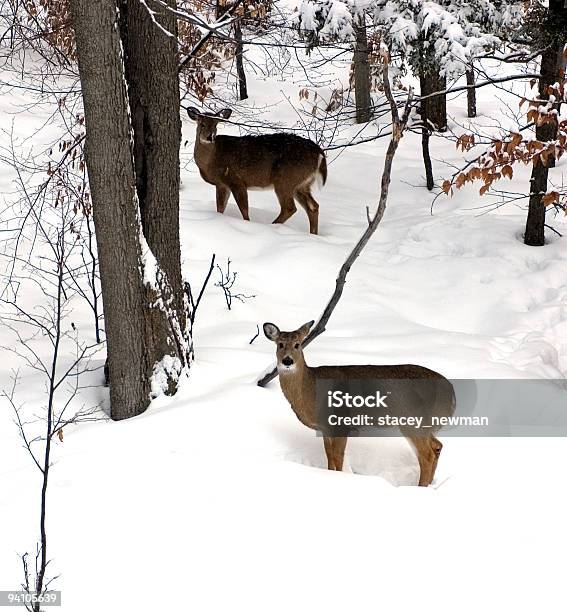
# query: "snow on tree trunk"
151,67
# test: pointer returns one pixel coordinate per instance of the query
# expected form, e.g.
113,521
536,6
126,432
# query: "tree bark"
471,94
242,86
142,319
115,207
552,62
362,97
434,109
427,158
151,68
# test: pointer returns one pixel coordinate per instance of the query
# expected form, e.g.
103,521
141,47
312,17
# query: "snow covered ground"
217,498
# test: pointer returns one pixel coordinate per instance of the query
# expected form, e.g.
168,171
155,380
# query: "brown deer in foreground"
286,163
298,383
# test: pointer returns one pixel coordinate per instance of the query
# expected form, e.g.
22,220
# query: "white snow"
168,369
218,498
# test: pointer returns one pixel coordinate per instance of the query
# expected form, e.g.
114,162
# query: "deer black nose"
287,361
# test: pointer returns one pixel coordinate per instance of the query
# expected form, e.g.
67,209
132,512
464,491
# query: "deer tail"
322,167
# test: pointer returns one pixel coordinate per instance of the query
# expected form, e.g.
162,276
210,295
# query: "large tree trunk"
242,86
151,67
552,62
136,294
362,76
115,207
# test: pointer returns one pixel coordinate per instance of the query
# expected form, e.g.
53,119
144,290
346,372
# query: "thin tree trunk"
242,86
151,67
471,94
433,110
362,76
430,80
427,158
535,223
40,579
552,61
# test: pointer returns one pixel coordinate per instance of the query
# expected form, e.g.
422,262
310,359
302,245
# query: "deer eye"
280,344
296,346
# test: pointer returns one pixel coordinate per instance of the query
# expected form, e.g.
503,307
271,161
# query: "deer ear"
225,113
304,329
193,113
271,331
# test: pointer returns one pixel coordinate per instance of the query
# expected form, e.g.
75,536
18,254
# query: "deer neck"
203,151
298,386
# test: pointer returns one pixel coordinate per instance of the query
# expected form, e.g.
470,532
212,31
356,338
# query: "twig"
449,90
222,21
195,303
553,230
257,334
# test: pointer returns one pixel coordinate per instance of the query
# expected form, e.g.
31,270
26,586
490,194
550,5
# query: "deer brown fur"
298,383
286,163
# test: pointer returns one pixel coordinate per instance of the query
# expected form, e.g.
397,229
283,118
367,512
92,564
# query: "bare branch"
399,126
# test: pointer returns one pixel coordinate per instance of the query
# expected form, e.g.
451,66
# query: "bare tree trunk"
115,206
471,94
431,81
242,86
136,323
552,61
151,67
433,110
362,76
425,134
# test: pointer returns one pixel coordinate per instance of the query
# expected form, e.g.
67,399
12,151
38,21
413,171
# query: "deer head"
207,123
289,351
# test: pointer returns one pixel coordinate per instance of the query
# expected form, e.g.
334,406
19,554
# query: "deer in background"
298,383
286,163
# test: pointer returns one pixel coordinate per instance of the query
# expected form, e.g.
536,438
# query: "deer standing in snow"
286,163
298,382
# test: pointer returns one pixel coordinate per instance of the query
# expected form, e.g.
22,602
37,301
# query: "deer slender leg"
240,194
223,193
329,452
339,446
427,457
307,201
287,204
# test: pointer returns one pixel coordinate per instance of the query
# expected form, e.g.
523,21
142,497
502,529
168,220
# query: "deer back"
260,161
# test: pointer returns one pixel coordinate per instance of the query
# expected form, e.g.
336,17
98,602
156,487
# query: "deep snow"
216,499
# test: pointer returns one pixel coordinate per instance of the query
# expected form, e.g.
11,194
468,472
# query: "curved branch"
399,126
